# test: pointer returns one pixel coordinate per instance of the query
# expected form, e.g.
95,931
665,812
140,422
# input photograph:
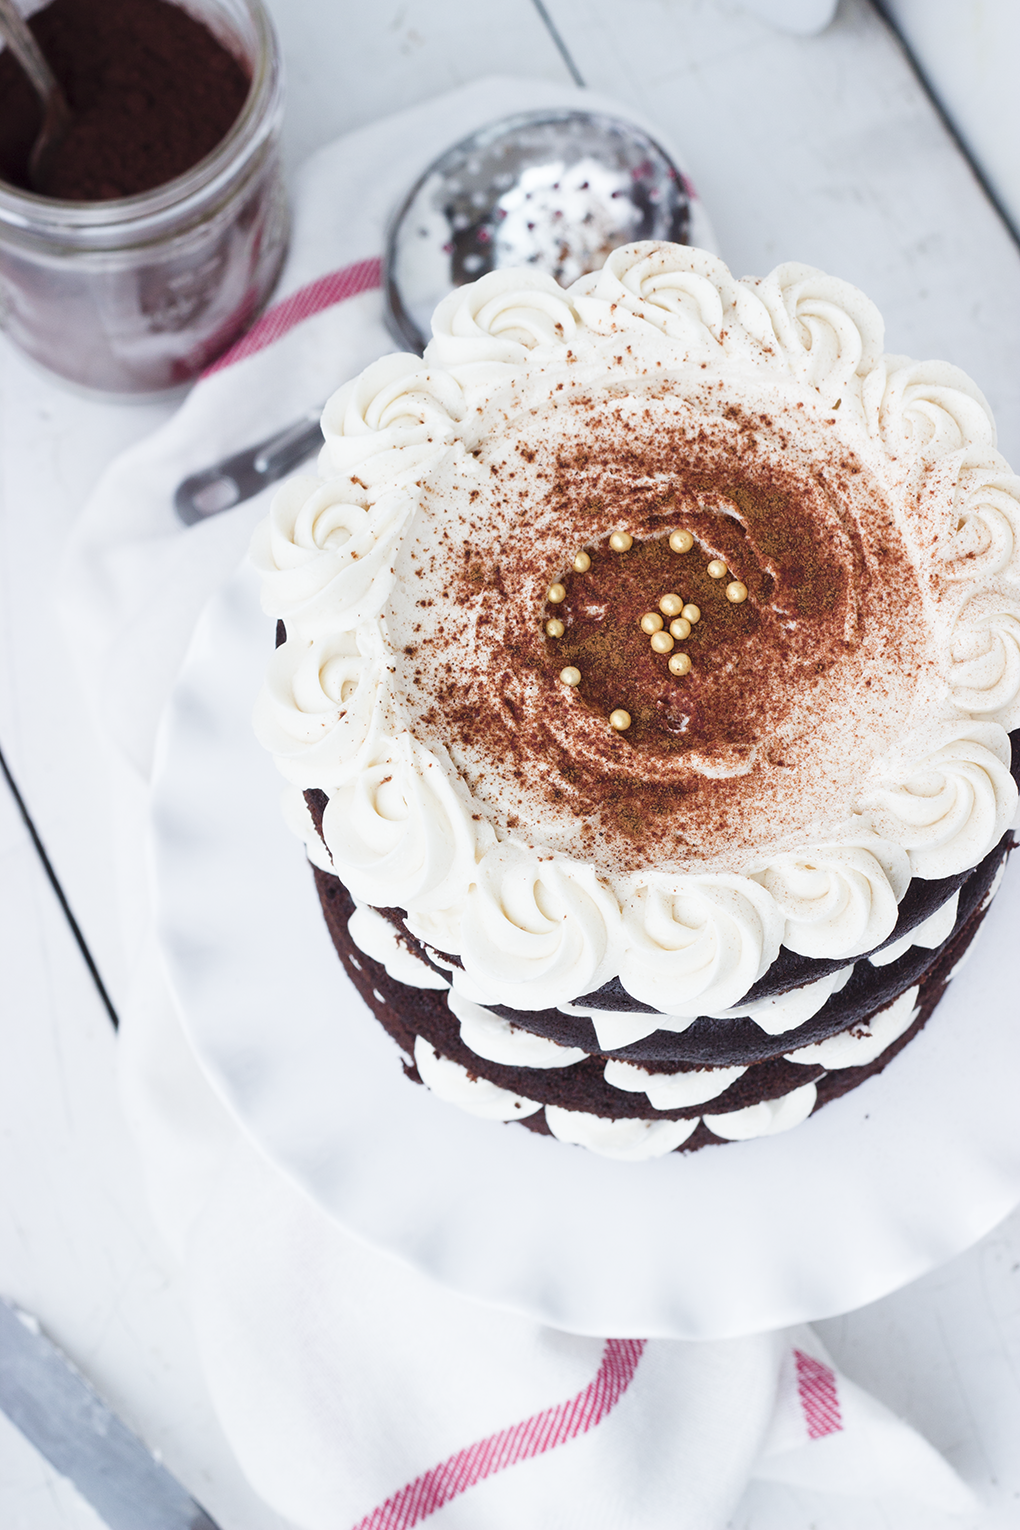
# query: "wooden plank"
78,1247
827,150
53,446
346,65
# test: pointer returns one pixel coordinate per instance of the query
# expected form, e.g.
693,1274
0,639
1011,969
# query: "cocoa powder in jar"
151,92
124,291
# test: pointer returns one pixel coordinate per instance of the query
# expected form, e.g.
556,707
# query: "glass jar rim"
88,222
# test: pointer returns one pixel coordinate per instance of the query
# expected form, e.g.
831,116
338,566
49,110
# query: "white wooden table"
820,149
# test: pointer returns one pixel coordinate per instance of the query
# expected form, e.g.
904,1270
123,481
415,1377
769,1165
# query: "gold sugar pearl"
652,622
716,569
681,541
582,563
691,614
619,719
556,593
661,642
672,605
555,628
736,592
570,675
621,541
681,628
680,664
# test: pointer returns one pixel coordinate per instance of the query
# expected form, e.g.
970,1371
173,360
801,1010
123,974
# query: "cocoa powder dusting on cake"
831,615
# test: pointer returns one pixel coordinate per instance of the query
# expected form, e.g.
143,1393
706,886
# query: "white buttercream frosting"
327,561
696,944
950,807
535,933
785,1011
412,578
399,834
457,1086
321,708
984,654
861,1044
492,1037
838,900
629,1139
299,821
765,1119
976,517
375,936
483,330
672,1091
385,427
926,408
931,932
615,1028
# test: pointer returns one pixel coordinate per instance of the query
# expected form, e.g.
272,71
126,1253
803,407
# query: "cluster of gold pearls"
682,614
736,590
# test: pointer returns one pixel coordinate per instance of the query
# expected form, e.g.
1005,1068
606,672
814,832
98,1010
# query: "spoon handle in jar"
232,480
15,32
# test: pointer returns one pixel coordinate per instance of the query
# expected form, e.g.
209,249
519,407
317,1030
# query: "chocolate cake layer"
737,1042
407,1013
722,1043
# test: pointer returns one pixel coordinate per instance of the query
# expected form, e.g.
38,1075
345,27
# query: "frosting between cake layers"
857,496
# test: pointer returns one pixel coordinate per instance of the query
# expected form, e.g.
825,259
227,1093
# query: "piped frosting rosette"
536,932
949,807
401,833
971,509
693,945
326,558
838,900
531,925
482,332
323,706
387,425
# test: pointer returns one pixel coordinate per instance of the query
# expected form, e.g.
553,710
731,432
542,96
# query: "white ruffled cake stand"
882,1185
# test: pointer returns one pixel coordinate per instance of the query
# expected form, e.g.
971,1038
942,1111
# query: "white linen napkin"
357,1393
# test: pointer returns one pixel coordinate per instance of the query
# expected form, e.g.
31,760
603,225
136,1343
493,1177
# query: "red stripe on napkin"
819,1398
532,1437
363,276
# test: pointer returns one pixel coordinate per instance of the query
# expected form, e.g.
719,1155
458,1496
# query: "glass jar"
139,294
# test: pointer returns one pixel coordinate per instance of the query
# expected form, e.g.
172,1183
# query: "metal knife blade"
52,1404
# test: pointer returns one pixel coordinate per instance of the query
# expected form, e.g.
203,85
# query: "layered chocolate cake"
648,655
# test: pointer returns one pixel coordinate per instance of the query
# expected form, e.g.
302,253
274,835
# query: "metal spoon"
557,190
56,113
